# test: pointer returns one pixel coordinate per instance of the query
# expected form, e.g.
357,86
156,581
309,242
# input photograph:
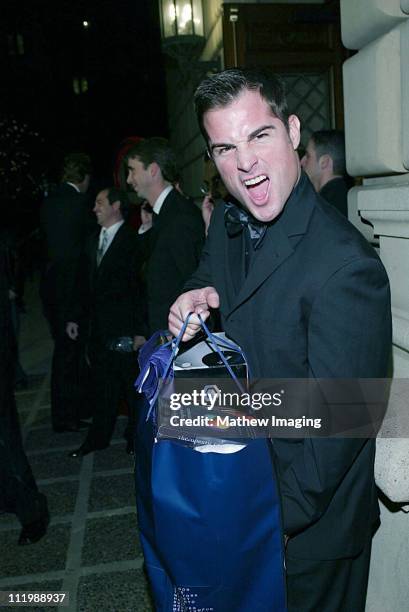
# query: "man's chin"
259,211
264,211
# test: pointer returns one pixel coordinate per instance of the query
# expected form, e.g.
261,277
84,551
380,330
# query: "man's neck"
155,192
157,207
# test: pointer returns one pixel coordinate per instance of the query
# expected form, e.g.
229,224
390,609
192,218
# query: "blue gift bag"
209,524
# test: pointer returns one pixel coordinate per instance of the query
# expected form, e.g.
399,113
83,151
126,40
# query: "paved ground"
91,549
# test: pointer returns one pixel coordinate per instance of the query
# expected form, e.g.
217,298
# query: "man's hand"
72,330
138,341
197,301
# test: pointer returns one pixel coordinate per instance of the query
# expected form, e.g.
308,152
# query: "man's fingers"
175,324
212,297
72,330
193,302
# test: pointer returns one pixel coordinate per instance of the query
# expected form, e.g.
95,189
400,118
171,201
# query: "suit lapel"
93,248
167,211
110,253
234,270
278,245
275,250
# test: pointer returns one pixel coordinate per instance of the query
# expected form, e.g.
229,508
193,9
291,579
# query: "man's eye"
221,151
262,135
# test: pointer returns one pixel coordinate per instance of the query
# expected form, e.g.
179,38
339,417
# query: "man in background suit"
296,314
109,312
18,489
65,221
324,163
176,238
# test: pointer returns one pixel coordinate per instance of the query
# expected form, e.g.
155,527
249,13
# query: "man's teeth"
255,181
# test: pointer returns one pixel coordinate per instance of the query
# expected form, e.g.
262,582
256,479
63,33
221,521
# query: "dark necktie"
236,219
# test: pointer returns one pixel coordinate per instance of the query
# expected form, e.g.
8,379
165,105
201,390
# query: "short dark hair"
220,90
118,195
75,167
332,143
156,150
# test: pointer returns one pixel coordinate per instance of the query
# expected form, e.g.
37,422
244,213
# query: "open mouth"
257,188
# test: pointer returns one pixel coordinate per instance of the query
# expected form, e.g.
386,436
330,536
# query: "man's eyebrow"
249,137
259,130
220,144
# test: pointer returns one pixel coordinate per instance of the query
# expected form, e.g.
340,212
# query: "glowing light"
186,16
187,12
172,12
181,18
85,24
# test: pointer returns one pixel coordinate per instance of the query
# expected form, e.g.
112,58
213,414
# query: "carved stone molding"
400,328
385,205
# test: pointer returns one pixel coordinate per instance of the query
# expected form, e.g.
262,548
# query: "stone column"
376,93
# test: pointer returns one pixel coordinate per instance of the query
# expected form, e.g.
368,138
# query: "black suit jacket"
175,244
66,222
315,303
336,193
110,299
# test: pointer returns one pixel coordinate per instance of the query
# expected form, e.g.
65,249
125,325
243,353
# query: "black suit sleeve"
349,337
137,287
202,276
175,247
77,306
187,241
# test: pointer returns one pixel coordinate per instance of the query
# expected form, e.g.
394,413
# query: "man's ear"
153,169
294,130
116,205
325,162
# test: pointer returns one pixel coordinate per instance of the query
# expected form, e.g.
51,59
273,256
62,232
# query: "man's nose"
246,158
128,179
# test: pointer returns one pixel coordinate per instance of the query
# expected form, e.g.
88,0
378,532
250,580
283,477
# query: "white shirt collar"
159,201
110,232
73,185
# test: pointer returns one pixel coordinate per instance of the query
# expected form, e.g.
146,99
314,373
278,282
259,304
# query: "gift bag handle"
215,341
175,346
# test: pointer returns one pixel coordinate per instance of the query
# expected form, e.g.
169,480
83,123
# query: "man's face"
106,214
310,164
254,153
139,178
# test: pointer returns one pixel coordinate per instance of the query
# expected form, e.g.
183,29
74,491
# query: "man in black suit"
296,314
66,221
324,163
175,241
109,312
18,489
